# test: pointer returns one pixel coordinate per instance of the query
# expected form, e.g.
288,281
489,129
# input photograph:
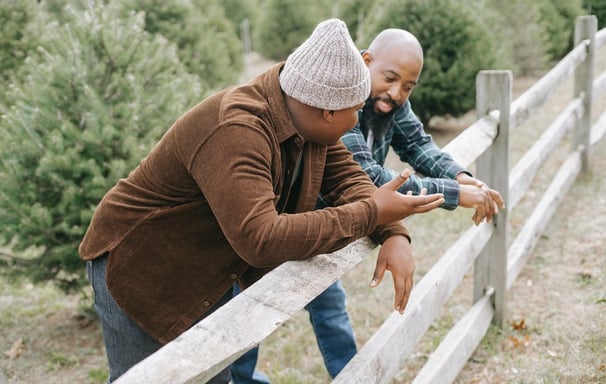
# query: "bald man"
395,61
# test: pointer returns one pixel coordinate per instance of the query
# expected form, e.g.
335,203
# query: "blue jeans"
334,335
125,342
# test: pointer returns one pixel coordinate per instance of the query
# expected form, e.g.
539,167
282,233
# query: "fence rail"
258,311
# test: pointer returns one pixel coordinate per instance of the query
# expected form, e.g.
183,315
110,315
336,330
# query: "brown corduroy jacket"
212,203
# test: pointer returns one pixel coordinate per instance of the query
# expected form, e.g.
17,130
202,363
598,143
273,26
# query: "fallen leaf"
518,325
519,342
514,341
16,350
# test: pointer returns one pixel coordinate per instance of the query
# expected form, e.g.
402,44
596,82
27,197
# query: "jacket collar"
283,125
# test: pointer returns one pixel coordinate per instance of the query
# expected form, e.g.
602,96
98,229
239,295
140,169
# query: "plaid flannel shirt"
405,134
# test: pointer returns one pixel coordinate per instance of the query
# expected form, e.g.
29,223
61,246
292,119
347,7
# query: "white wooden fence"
215,342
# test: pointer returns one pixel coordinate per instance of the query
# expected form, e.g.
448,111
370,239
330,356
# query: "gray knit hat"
327,71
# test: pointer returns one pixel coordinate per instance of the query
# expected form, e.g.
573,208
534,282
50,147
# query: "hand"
393,206
496,201
395,255
484,200
464,178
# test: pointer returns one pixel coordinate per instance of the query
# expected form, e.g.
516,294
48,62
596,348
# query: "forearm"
449,188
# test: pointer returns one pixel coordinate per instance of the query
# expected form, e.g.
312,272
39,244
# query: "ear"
328,115
367,56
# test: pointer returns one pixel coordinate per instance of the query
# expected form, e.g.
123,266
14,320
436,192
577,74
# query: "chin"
331,142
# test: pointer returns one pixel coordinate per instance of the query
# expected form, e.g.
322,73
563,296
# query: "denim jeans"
125,342
334,335
243,370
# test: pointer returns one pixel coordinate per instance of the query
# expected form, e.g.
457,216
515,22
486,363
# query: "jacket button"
206,304
234,276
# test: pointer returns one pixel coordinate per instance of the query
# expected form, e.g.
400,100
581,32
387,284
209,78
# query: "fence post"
245,36
584,29
493,92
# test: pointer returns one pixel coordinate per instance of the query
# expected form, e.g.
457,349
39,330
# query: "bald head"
395,61
396,40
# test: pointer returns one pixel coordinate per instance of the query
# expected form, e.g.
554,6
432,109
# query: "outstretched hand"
393,206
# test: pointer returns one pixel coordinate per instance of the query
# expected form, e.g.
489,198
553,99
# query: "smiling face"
395,61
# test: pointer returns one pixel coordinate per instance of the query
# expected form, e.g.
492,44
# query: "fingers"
496,197
378,274
422,193
477,218
487,202
397,182
488,207
402,287
495,203
426,203
484,211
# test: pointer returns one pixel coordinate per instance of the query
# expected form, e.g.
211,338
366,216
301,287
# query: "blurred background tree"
283,25
207,42
597,8
100,94
15,41
91,85
456,47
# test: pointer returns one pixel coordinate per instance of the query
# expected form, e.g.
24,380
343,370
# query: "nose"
395,93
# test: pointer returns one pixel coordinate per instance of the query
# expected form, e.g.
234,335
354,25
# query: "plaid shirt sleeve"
413,146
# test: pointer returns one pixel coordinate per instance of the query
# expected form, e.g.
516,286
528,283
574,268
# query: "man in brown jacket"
229,193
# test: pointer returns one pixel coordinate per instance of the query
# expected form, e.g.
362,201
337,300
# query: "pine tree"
15,42
455,48
95,100
284,24
597,8
207,41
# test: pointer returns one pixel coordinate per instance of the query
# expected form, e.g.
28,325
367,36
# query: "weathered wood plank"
522,246
598,129
473,141
445,363
379,359
523,173
599,86
204,350
527,103
600,38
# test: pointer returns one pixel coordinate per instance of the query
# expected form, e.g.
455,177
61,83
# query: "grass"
58,341
560,297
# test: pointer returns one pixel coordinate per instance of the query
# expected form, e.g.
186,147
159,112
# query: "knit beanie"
327,71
